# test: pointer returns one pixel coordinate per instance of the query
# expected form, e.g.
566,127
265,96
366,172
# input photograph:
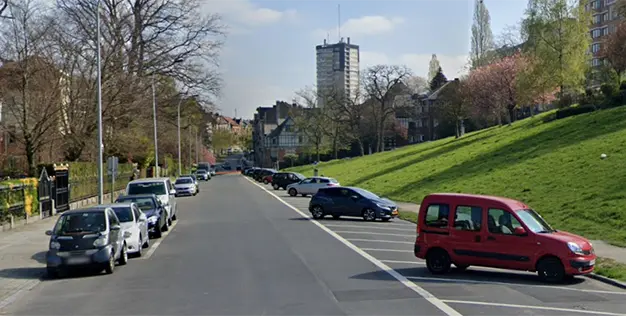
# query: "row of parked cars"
456,229
99,237
329,198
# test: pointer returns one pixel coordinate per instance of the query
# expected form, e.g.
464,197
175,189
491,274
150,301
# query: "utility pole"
190,146
156,140
100,144
197,146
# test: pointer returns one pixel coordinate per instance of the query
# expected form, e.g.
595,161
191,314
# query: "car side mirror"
127,234
115,227
520,231
48,232
143,217
172,192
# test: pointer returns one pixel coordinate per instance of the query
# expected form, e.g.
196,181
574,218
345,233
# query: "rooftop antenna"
338,22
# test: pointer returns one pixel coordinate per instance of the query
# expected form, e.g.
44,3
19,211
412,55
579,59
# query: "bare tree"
311,120
4,4
615,49
416,84
349,112
32,86
381,84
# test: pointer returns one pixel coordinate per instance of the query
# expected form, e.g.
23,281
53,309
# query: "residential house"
266,120
284,139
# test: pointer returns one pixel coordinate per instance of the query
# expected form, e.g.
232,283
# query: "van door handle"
477,238
490,238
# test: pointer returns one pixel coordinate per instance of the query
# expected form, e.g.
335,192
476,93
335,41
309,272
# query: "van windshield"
157,188
534,222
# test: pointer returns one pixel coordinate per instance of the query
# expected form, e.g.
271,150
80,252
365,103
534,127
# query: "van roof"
510,203
148,180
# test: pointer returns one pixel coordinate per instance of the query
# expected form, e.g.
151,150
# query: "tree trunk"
457,129
509,117
30,157
361,148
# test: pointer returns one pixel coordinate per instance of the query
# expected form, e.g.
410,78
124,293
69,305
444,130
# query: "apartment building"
605,17
337,70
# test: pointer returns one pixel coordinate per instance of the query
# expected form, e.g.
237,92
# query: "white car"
134,221
185,186
309,186
162,188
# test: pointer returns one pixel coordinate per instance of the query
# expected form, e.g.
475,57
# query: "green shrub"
84,179
18,198
572,111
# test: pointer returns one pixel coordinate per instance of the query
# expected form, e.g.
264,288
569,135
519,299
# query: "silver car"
185,186
309,186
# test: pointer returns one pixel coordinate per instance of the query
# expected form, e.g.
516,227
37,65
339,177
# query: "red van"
488,231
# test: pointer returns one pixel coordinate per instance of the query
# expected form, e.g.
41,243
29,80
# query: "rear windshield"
143,203
184,180
124,214
157,188
75,223
201,171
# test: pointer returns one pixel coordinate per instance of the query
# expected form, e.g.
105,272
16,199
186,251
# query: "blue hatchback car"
351,201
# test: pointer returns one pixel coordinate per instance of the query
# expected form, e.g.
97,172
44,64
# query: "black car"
254,172
258,176
151,206
87,238
351,201
281,180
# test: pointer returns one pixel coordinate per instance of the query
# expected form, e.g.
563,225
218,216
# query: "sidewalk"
601,248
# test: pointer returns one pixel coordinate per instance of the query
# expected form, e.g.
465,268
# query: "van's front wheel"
551,270
438,261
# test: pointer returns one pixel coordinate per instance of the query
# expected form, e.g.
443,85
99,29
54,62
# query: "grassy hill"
554,167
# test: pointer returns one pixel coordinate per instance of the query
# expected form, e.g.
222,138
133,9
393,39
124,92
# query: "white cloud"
366,25
453,66
246,13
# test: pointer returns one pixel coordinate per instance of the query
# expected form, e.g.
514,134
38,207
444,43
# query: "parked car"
134,221
162,188
91,237
350,201
259,176
185,186
464,230
195,180
309,186
283,179
250,171
203,175
150,205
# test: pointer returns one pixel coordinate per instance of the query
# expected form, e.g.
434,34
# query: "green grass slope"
554,167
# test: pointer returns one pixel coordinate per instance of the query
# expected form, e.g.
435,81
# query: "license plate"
78,260
592,262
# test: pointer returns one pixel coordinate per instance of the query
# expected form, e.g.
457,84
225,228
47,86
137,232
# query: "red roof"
510,203
230,121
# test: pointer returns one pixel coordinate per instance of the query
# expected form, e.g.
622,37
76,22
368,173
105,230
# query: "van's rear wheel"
293,192
438,261
551,270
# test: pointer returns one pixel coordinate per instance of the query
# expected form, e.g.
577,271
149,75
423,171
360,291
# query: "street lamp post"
180,168
156,139
100,144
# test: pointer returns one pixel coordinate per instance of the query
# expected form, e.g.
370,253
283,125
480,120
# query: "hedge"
18,198
575,110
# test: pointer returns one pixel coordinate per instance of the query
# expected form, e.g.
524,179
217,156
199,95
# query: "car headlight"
100,242
575,248
153,219
384,207
55,245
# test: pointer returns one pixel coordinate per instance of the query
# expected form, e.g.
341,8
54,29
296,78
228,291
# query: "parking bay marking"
546,308
367,233
383,241
406,282
153,247
371,227
390,250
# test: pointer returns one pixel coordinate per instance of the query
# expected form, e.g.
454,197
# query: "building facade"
337,70
604,20
266,120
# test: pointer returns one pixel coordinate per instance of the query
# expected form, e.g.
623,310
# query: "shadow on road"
23,273
39,257
422,275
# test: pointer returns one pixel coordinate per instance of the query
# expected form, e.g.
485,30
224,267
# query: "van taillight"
417,232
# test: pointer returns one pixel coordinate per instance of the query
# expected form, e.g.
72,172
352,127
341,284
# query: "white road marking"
406,282
390,250
421,263
371,227
383,241
557,309
416,278
154,246
19,293
368,233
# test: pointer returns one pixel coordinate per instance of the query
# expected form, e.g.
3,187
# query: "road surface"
239,250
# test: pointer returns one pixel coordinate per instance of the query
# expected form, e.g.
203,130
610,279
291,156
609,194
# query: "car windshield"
157,188
144,204
90,222
184,180
201,171
300,176
366,194
124,213
534,221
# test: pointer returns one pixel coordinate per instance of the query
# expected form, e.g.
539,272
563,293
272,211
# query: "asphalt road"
238,250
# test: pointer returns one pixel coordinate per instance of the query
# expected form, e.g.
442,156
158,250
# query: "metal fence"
12,202
85,188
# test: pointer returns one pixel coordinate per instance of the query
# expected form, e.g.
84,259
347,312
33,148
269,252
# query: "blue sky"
270,50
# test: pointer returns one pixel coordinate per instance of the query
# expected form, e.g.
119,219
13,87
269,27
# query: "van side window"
437,215
501,222
468,218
